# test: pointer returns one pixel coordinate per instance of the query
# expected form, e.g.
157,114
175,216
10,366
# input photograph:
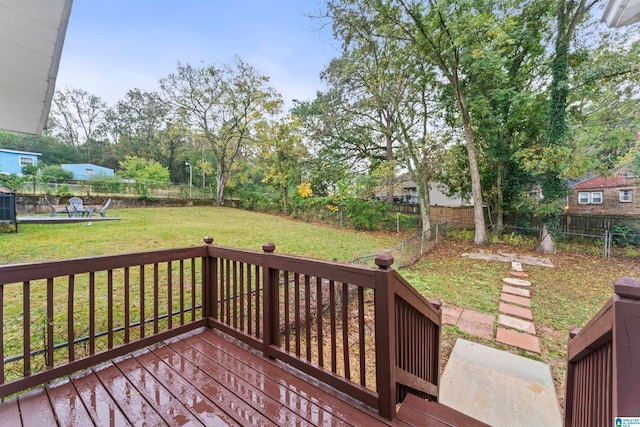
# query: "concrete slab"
516,291
514,310
512,322
476,317
476,329
517,266
514,299
520,274
518,339
499,388
450,314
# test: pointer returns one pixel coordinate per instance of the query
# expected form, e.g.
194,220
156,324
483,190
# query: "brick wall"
611,204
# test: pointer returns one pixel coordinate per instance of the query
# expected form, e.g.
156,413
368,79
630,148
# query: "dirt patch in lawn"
563,297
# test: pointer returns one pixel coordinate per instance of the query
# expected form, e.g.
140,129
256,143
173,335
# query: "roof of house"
615,178
85,165
20,152
31,37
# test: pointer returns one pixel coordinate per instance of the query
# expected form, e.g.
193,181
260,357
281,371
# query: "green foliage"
12,182
144,172
626,235
55,174
106,184
29,170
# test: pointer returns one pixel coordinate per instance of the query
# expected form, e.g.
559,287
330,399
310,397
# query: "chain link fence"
617,243
410,250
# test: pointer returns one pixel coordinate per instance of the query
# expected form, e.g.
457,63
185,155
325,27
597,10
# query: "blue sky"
113,46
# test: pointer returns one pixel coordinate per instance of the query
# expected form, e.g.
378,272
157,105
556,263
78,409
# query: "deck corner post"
626,347
385,337
270,315
208,282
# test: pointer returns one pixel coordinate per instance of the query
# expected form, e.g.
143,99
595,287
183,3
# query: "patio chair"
56,209
78,209
101,208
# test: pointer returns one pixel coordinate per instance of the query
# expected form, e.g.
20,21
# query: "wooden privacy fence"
364,331
603,376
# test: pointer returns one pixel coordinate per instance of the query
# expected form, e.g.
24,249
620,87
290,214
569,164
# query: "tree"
222,104
550,159
136,123
145,172
444,34
281,152
77,118
55,173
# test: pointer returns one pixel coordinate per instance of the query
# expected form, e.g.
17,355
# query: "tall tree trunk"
221,181
476,190
389,180
547,244
425,204
500,199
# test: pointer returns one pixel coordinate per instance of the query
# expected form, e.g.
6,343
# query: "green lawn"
162,228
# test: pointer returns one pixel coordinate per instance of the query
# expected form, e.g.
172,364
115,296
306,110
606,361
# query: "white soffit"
31,37
619,13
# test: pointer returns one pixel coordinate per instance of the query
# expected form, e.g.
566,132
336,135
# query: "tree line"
498,100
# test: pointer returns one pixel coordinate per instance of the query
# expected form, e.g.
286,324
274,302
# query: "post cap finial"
384,261
627,287
269,247
208,240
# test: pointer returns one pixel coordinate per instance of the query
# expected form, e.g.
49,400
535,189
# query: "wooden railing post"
209,282
385,337
270,316
626,347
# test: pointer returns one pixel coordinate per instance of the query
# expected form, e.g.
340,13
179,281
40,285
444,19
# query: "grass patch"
161,228
563,297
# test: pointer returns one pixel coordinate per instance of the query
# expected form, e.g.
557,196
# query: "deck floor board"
202,378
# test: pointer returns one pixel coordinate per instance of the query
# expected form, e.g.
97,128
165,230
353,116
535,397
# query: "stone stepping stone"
518,339
477,317
477,324
516,291
514,310
476,329
520,274
512,322
516,266
513,299
450,315
517,282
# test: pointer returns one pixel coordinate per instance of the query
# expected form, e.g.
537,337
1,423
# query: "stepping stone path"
515,319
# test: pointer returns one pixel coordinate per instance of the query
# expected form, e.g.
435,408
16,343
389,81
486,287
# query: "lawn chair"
56,209
78,209
101,208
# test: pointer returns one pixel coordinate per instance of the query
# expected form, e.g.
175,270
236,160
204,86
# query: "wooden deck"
200,379
204,378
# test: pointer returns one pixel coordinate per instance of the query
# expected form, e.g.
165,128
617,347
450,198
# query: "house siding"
86,171
10,161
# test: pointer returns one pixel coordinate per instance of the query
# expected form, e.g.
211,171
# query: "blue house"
12,162
86,171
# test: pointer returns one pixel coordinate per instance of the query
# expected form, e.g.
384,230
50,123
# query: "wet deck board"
202,379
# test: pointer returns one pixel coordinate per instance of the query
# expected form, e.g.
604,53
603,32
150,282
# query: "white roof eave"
619,13
32,35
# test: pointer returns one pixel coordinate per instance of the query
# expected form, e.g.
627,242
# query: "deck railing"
603,379
362,330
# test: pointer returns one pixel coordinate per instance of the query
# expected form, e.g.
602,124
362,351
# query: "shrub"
625,235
